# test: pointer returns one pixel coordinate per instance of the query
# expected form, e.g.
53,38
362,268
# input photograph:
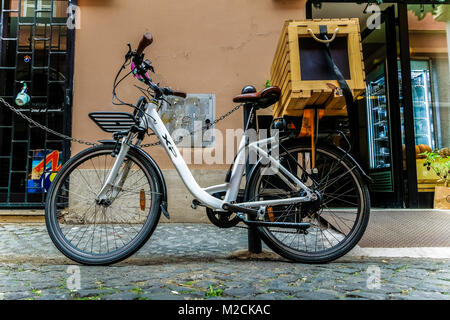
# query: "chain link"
44,127
88,143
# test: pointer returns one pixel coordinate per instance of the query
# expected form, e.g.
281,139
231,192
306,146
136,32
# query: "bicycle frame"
152,119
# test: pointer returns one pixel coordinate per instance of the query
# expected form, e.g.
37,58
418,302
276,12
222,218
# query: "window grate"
36,47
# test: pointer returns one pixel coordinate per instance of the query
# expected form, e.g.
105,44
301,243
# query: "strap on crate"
322,40
347,93
309,115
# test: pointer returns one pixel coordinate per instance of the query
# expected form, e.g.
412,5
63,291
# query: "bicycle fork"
114,182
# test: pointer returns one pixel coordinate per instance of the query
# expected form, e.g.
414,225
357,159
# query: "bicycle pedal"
195,204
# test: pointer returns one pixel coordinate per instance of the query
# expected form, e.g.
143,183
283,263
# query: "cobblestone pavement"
194,262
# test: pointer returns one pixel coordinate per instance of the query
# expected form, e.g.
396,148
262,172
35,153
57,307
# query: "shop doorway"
378,110
381,112
405,110
36,48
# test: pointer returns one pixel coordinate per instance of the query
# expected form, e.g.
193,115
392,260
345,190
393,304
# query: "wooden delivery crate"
300,70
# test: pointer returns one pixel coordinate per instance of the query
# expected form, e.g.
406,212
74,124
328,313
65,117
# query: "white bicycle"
106,201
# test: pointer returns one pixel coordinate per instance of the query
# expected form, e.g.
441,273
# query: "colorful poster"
40,177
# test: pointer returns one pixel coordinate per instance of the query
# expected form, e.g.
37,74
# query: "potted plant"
439,162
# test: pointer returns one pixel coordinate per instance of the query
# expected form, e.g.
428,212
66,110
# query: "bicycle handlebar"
146,40
170,92
140,68
180,94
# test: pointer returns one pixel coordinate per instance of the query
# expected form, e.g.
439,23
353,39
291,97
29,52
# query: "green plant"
439,12
440,164
36,292
214,292
97,297
401,268
268,83
137,290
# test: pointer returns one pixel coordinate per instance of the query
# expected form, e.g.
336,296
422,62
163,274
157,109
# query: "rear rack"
113,121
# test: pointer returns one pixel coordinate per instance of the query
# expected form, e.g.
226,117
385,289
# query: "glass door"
379,107
428,36
429,33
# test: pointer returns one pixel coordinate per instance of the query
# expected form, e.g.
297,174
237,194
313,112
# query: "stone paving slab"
169,242
183,261
230,279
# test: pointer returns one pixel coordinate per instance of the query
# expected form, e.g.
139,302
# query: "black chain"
66,137
44,127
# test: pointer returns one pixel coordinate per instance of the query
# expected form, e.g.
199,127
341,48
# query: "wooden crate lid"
345,25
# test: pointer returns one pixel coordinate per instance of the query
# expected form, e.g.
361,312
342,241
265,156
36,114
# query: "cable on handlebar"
139,69
116,84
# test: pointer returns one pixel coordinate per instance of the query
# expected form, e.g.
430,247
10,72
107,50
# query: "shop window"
29,6
429,28
34,50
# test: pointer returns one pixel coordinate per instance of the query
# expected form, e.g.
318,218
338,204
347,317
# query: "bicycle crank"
219,218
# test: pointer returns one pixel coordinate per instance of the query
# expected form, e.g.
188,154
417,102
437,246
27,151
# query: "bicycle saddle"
262,99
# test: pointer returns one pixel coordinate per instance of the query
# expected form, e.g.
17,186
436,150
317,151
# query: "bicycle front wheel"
99,234
337,219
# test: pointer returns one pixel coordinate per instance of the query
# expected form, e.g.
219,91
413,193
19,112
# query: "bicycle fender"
364,175
158,172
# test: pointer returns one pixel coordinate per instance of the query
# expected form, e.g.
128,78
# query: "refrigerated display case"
377,113
378,131
378,121
421,94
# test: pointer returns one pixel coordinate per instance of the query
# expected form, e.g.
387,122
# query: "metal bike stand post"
254,240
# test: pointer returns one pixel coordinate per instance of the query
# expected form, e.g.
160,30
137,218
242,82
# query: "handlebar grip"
180,94
146,40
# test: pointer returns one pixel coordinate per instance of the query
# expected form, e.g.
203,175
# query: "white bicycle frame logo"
152,119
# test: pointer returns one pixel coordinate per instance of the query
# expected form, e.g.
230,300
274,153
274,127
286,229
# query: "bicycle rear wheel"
100,234
338,219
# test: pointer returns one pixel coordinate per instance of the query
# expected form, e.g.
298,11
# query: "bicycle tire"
336,252
148,227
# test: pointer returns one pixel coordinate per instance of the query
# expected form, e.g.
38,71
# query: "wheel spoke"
338,187
100,230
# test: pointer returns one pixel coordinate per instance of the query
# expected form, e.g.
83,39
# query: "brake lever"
148,65
130,53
